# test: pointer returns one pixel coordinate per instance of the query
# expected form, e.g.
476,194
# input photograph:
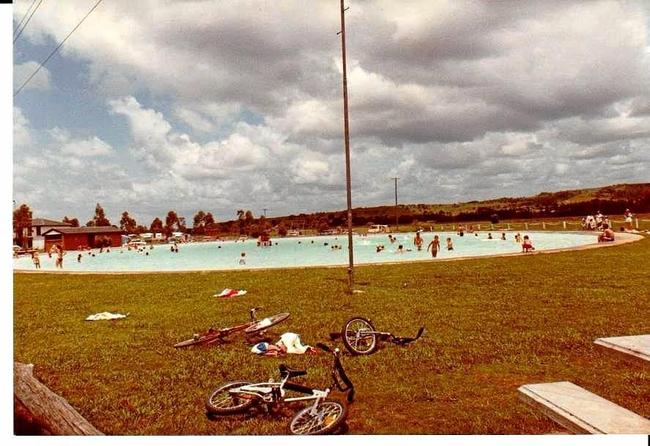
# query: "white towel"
105,316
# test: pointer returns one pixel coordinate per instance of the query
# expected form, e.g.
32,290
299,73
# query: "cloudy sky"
213,105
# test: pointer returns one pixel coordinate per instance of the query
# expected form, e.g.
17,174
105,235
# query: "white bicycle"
323,416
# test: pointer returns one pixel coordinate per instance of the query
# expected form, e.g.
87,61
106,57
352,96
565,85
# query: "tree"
156,225
100,218
181,225
199,223
74,222
203,221
323,224
264,225
127,223
240,218
282,229
171,222
22,223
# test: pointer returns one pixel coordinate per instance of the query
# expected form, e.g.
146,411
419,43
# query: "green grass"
493,325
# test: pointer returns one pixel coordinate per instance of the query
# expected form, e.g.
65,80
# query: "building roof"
85,230
48,222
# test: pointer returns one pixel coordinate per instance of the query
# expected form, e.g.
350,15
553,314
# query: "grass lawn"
492,325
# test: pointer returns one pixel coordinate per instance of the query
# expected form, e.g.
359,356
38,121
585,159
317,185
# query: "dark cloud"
462,100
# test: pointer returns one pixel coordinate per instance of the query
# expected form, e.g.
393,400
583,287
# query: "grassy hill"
612,200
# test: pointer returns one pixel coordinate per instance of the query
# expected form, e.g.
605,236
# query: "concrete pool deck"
621,239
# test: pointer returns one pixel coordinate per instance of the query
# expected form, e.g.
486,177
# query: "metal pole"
396,208
346,128
265,209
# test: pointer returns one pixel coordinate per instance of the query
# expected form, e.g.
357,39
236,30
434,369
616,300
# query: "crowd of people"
435,246
598,222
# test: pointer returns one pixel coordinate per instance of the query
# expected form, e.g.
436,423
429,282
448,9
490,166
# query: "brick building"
40,226
85,237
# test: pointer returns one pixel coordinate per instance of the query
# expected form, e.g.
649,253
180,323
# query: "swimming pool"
299,251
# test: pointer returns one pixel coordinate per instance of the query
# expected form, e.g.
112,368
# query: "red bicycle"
253,327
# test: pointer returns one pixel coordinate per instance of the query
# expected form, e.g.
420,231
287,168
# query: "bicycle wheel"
327,418
199,340
266,323
359,337
222,402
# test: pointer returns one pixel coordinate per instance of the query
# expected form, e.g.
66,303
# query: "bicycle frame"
216,335
274,392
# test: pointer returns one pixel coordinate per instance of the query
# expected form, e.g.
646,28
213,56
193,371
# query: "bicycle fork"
320,396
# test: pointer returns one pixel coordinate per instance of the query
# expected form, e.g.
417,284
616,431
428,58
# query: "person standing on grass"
628,220
434,246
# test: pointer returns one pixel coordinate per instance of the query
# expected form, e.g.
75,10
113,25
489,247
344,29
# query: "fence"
564,225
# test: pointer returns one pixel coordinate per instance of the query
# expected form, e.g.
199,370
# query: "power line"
56,49
28,19
23,19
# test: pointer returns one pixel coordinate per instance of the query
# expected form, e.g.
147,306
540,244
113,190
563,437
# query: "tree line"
611,200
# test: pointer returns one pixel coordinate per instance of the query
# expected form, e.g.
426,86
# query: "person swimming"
450,244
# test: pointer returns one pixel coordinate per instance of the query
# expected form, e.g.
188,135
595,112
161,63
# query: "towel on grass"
105,316
229,292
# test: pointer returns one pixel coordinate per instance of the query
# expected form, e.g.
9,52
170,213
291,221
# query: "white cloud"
92,146
196,120
22,135
22,72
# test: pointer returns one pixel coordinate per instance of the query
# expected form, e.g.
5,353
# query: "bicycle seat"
291,373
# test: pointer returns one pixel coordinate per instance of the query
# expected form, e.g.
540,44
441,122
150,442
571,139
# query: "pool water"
299,251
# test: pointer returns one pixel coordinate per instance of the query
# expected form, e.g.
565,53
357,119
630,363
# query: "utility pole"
346,130
396,208
265,209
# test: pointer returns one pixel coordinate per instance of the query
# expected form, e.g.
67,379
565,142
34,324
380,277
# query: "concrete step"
581,411
633,348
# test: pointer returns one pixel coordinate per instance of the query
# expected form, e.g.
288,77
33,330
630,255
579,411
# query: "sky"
153,106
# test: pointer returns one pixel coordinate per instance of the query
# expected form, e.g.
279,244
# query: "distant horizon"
189,216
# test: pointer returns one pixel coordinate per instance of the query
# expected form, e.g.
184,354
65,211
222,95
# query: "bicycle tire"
329,418
203,339
216,407
351,339
266,323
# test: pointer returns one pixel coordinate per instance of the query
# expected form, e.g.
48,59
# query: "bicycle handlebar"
252,312
338,373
